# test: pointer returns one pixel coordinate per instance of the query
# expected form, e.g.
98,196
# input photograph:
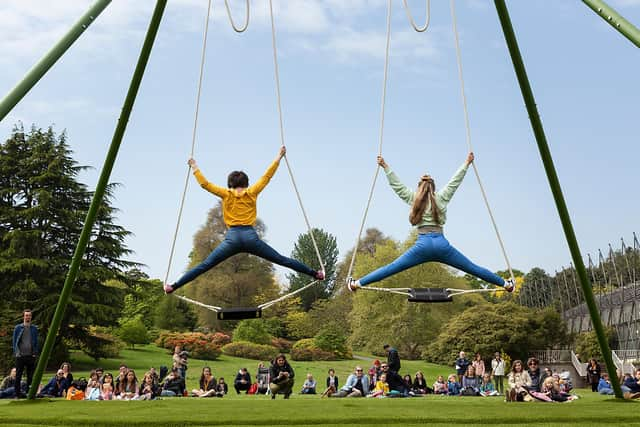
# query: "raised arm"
210,187
449,190
271,170
400,189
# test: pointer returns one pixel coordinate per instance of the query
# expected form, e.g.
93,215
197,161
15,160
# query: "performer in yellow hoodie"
239,214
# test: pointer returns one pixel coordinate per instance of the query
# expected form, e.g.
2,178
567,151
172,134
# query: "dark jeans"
240,386
28,362
7,393
242,238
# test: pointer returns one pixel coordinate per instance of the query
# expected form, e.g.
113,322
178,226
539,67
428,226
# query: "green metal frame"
47,61
554,183
616,20
99,193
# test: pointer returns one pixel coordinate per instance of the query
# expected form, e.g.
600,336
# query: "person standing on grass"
25,350
497,372
393,358
593,374
462,363
282,375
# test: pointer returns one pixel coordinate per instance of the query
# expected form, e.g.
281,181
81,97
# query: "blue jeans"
432,247
242,238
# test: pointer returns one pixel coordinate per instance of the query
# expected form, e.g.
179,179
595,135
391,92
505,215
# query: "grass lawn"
591,410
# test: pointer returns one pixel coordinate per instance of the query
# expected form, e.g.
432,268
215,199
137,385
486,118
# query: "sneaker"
167,288
352,285
509,285
319,275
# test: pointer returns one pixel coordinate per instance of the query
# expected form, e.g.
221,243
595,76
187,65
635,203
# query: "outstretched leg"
417,254
453,257
224,250
254,245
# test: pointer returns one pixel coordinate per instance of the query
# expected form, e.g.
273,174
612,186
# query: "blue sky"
331,55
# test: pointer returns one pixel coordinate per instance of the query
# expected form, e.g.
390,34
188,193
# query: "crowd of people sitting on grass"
523,382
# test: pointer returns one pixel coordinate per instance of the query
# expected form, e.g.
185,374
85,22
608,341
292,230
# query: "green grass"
591,410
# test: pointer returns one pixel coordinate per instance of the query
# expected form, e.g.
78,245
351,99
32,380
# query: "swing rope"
427,18
381,139
468,137
193,144
233,25
193,141
280,117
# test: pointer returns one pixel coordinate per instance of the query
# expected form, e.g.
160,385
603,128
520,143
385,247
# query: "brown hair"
426,192
237,179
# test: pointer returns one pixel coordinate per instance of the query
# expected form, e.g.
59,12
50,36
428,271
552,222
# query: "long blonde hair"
426,192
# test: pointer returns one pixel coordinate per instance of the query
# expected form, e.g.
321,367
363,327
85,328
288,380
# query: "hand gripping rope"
239,312
425,294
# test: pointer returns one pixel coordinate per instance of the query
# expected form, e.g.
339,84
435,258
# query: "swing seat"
429,295
240,313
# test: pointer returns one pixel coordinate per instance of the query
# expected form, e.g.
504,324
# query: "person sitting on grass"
419,385
487,388
440,386
207,384
107,387
470,382
309,385
382,387
221,388
604,386
519,381
332,383
174,384
149,390
453,386
130,388
242,382
8,385
357,385
282,377
55,387
93,390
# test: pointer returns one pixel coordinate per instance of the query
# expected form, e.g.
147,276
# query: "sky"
331,56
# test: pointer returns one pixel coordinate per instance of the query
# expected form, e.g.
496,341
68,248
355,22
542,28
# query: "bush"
220,339
104,344
252,330
307,349
587,345
283,345
332,340
199,345
249,350
134,332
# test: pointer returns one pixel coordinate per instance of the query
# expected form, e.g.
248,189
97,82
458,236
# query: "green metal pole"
616,20
41,68
554,183
99,193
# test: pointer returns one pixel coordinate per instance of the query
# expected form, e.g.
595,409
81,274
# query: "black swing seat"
239,313
429,295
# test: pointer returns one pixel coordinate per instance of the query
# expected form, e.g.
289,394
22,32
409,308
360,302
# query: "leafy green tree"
42,211
331,338
252,330
134,332
515,329
241,281
173,314
587,346
8,320
304,251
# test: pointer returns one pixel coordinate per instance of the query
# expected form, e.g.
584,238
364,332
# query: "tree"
8,320
505,326
42,210
252,330
304,251
240,281
134,332
173,314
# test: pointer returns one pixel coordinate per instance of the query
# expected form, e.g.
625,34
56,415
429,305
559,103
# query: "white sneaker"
352,285
509,285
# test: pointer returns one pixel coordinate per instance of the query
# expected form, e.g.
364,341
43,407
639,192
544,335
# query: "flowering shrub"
198,344
283,345
249,350
307,349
